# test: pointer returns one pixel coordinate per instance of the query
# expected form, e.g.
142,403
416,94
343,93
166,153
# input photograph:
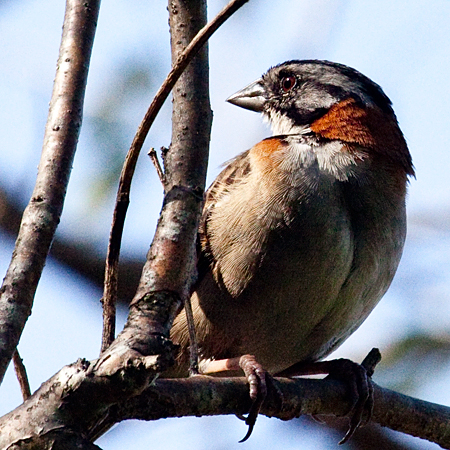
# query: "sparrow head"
330,100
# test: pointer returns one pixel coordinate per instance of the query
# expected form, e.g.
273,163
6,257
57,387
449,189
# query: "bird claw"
356,376
359,378
256,377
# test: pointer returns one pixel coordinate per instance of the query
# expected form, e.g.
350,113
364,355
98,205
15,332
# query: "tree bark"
43,212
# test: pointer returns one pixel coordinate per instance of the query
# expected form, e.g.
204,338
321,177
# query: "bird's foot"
257,380
357,376
359,379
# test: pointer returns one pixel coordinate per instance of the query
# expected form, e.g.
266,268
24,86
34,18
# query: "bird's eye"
287,83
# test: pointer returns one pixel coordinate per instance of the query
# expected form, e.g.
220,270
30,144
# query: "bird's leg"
357,376
257,380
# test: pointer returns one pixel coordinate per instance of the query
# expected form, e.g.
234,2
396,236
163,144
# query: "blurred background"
404,46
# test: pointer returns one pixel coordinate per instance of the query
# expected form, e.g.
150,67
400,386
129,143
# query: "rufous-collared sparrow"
302,234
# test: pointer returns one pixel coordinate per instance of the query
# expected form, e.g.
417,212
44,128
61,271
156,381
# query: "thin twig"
123,194
371,360
193,343
21,374
154,157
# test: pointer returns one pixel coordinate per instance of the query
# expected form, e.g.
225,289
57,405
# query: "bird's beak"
252,97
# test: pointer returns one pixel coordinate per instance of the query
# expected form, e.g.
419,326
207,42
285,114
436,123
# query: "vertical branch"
168,272
191,118
171,259
43,212
167,269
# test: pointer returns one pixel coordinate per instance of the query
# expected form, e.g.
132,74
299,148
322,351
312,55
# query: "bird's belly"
310,294
294,294
296,286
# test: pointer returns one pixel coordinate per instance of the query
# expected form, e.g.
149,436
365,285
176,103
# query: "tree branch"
200,396
73,402
154,159
43,212
192,43
79,396
168,272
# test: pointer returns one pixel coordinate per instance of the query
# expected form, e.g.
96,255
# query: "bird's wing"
234,172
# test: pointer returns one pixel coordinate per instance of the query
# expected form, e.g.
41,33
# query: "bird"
301,235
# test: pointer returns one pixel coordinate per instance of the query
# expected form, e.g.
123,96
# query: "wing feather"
232,175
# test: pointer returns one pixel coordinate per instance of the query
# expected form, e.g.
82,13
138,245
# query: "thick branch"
199,396
43,212
73,402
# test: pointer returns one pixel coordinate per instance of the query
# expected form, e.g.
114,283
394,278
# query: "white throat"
282,125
